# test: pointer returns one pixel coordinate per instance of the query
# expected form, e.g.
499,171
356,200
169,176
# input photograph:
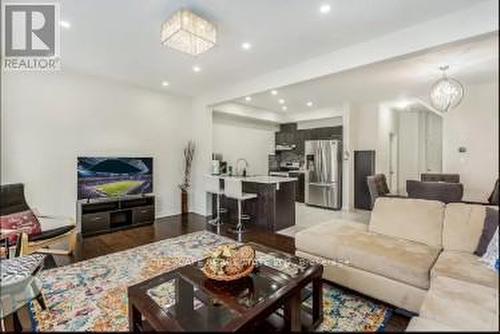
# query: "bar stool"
233,188
212,186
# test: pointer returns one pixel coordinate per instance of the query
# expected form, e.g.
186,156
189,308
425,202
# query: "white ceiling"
119,39
470,61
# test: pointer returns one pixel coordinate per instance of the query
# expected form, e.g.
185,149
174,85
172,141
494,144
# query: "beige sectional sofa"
416,255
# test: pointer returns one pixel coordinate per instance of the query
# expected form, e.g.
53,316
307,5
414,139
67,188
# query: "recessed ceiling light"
248,98
274,92
165,83
196,68
285,108
309,104
281,101
65,24
246,46
325,8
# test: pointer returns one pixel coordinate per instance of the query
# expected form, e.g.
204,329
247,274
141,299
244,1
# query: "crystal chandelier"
189,33
446,93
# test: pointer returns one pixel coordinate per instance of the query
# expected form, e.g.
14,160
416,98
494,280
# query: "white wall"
50,119
364,126
473,125
409,140
455,26
241,110
237,137
320,123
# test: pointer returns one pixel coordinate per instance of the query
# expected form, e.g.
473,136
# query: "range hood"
285,147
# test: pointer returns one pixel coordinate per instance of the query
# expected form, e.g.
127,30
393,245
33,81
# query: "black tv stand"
110,215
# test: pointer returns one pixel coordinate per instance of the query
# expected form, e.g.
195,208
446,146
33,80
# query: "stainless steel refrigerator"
323,177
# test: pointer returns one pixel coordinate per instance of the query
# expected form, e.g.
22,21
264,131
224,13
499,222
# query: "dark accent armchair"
493,199
12,201
439,177
377,186
438,191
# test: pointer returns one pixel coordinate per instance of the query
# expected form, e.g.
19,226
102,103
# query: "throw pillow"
25,220
491,255
489,228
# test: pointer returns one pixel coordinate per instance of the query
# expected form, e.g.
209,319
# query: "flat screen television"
106,177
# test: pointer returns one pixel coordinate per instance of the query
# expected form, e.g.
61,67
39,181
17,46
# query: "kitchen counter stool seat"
233,189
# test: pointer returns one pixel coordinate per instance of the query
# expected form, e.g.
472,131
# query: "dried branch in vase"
188,161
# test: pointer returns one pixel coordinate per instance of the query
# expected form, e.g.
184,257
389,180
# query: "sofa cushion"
398,259
412,219
465,267
461,304
419,324
463,225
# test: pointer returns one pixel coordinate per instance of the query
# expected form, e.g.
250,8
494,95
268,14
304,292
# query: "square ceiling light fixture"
188,33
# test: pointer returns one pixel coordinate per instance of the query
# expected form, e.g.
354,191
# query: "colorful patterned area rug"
92,295
347,312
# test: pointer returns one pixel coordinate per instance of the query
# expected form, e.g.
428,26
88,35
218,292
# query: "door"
393,163
433,143
364,166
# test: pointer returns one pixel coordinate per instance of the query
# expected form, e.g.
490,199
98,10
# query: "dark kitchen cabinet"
288,127
289,135
300,188
300,140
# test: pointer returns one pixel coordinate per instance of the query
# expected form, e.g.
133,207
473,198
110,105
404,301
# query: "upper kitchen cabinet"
300,138
287,134
324,133
288,127
285,138
294,140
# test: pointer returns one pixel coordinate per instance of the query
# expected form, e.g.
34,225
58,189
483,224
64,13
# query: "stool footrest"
215,222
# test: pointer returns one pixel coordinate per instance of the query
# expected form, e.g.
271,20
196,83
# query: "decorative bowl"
229,263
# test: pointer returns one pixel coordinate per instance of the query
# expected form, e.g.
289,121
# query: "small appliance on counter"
215,164
223,167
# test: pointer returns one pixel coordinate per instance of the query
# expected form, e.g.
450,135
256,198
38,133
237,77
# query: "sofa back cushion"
463,225
412,219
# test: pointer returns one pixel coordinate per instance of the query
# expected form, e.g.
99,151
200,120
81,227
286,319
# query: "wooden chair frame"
41,246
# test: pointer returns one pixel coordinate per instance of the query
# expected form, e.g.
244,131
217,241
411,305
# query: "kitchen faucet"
238,170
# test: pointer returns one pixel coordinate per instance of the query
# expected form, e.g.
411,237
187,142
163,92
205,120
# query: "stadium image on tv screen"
114,177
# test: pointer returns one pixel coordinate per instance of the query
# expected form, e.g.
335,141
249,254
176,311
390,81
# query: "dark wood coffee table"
186,300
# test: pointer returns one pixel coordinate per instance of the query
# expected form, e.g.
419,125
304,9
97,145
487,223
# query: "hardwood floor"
163,228
170,227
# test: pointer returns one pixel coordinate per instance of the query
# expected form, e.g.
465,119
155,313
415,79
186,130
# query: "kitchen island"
274,207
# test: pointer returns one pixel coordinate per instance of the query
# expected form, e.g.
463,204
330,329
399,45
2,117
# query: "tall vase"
184,203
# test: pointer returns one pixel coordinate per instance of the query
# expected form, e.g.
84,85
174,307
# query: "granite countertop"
260,178
269,179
